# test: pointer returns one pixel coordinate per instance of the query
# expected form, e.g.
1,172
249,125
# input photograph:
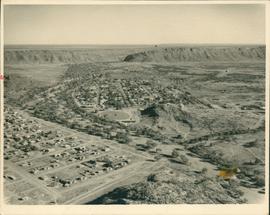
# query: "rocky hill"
197,54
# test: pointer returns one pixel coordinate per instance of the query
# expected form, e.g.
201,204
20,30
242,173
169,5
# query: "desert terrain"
134,124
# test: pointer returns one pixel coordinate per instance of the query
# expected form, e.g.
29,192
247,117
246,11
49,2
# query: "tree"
108,162
152,178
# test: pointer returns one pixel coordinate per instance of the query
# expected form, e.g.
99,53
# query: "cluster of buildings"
56,160
86,170
137,92
24,138
87,96
145,92
20,135
111,95
99,95
105,93
64,157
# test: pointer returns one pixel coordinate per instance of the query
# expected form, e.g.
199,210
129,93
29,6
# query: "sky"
134,24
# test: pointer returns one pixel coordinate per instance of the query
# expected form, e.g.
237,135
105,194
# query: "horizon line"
130,44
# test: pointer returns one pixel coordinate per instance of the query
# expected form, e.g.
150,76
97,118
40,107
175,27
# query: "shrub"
158,157
204,170
260,182
175,153
152,178
184,159
150,144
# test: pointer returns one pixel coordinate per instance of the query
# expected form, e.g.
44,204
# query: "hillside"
196,54
165,188
167,119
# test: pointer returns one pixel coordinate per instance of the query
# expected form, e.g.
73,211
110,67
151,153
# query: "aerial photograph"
134,104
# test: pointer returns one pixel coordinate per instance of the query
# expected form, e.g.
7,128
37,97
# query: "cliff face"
197,54
59,56
175,54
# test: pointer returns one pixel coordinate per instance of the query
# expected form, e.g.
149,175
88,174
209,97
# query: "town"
108,126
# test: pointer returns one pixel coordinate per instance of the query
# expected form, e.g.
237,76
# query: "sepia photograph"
134,104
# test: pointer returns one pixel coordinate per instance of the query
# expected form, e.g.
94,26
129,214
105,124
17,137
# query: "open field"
115,115
149,125
45,74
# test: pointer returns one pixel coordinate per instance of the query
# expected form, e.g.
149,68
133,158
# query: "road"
31,179
130,178
127,176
